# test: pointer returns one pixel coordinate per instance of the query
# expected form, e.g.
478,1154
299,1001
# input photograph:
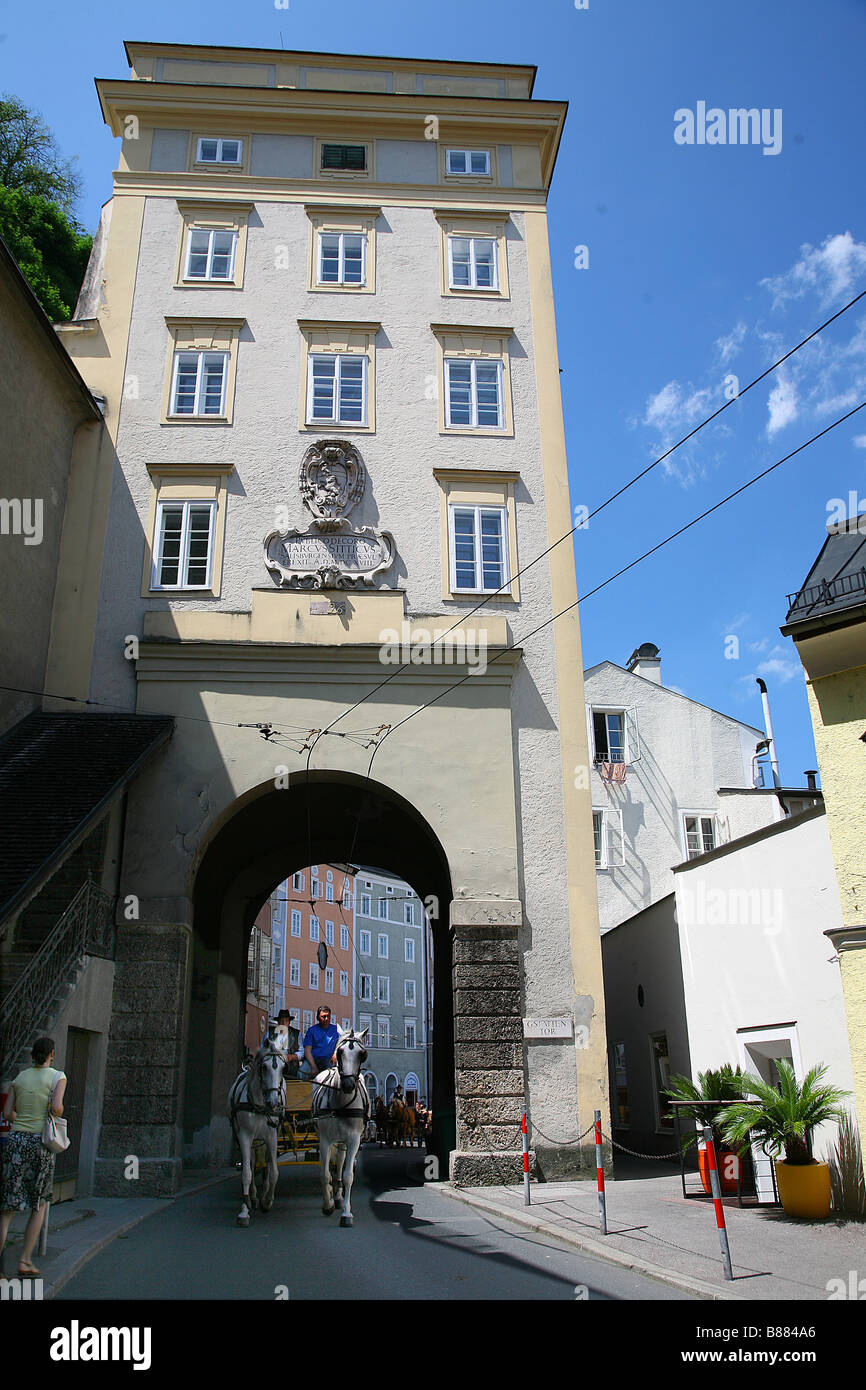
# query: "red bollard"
717,1201
599,1169
526,1197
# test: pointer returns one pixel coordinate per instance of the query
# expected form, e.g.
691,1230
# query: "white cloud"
782,405
831,270
860,441
729,345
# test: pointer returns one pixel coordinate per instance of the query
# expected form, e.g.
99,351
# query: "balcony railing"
86,928
827,592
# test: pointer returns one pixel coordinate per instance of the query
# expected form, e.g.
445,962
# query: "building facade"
320,313
320,909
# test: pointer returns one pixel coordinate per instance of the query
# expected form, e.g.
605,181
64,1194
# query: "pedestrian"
320,1043
27,1165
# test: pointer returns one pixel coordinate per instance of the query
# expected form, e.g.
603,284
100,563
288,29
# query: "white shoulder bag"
54,1135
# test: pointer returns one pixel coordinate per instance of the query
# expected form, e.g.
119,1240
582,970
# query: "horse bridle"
347,1112
274,1113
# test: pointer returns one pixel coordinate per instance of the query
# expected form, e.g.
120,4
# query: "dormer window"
472,162
218,151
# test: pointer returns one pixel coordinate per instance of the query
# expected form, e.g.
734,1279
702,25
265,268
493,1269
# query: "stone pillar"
142,1105
850,944
488,1044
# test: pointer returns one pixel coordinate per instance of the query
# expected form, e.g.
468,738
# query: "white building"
670,779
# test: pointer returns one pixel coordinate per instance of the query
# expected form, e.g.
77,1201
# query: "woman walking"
28,1166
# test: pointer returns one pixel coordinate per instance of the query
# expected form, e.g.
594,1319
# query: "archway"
325,818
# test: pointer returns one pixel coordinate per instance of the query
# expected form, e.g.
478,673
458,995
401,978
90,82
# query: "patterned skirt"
26,1172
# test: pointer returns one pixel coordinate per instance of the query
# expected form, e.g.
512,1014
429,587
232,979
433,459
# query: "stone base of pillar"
478,1168
157,1177
567,1163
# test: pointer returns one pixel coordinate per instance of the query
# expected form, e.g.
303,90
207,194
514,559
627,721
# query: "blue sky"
705,260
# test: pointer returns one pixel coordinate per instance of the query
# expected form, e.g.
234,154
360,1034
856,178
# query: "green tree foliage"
38,190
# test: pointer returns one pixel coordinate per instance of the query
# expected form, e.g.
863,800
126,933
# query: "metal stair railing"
86,928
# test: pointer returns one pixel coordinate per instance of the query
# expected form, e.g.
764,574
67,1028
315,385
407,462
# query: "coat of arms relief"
330,553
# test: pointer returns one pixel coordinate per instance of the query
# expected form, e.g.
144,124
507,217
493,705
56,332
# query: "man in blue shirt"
320,1042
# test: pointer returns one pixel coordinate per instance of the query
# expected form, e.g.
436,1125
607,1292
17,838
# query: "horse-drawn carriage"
298,1134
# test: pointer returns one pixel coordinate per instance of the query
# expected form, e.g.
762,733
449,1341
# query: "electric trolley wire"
606,503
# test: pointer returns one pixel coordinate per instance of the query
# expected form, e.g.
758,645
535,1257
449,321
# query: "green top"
33,1089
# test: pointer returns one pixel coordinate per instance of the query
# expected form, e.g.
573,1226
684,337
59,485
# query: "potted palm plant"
783,1117
721,1084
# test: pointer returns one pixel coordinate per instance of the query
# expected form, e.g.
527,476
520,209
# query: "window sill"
196,420
478,431
330,425
200,283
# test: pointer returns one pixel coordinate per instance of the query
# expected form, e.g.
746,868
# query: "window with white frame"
344,982
382,945
344,937
211,150
384,1032
699,833
366,942
314,928
478,549
473,393
365,905
608,730
475,162
383,908
329,979
329,933
366,1021
410,1032
347,899
329,875
295,971
308,1019
409,992
198,387
409,914
472,263
314,975
383,989
210,254
410,950
329,892
184,545
315,888
298,882
608,837
365,987
345,1024
337,389
342,258
296,922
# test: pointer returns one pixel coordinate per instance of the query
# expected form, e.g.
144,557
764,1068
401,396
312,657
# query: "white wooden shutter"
632,738
614,855
590,734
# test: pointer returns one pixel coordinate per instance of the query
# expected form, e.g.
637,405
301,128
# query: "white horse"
341,1110
256,1105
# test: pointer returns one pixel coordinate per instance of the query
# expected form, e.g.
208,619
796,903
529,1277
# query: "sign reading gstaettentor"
547,1027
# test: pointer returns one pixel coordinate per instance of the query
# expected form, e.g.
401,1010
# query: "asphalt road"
410,1240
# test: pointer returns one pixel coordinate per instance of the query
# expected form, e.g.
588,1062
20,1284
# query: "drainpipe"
771,744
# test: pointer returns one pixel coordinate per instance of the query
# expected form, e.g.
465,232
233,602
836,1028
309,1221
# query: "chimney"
645,661
811,777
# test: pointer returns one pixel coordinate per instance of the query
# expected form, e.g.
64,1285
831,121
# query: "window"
365,1021
619,1086
410,950
473,394
472,263
184,545
264,965
298,882
329,892
345,1024
613,734
308,1020
200,373
365,987
608,837
344,937
329,875
296,922
464,162
278,958
337,391
365,905
409,992
383,989
350,157
329,980
384,1032
382,945
314,975
409,914
210,150
337,378
661,1077
409,1032
315,888
366,943
389,888
295,972
347,899
251,962
342,258
699,833
210,254
329,933
344,982
479,549
383,908
314,928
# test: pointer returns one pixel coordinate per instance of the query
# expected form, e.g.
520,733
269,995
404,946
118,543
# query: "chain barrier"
562,1143
633,1152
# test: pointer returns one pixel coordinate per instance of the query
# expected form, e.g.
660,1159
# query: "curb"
71,1261
595,1247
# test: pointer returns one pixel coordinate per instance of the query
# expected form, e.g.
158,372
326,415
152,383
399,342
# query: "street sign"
547,1028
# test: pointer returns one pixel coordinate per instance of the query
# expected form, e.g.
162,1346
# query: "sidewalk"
654,1230
78,1230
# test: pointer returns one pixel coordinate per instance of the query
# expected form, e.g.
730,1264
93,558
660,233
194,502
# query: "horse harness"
341,1112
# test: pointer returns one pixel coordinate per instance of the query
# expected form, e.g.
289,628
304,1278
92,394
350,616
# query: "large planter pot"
804,1189
728,1165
